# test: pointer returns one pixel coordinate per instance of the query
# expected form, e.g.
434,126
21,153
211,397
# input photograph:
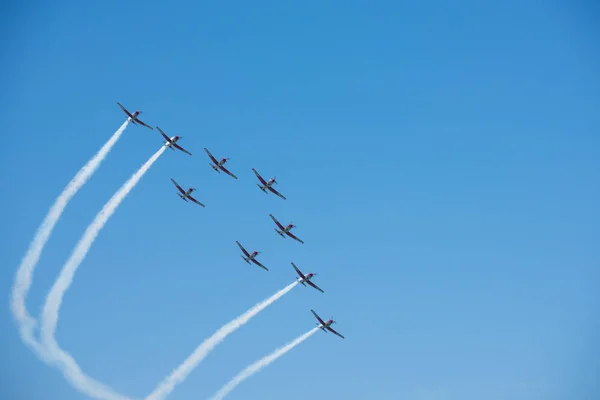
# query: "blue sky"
440,161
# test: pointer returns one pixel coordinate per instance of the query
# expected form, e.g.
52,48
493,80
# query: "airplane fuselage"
251,257
285,230
219,164
327,324
172,141
270,183
186,194
306,279
134,117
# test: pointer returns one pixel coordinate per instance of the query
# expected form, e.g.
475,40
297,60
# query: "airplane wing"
290,234
298,271
168,139
178,187
227,172
195,201
139,121
125,110
319,318
276,222
259,264
243,249
276,192
260,178
333,331
211,156
315,286
181,148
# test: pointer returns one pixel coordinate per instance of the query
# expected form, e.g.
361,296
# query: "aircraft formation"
265,185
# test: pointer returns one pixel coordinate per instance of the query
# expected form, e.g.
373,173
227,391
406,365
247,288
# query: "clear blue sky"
440,160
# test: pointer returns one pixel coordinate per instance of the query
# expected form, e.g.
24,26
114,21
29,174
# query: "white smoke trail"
180,373
23,279
260,364
50,311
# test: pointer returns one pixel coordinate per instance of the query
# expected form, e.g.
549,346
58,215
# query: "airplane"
134,117
285,230
250,257
326,325
219,164
267,185
186,194
172,142
306,278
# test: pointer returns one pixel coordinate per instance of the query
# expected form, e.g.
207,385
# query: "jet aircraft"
285,230
250,257
186,194
306,278
219,164
172,142
267,185
326,325
134,117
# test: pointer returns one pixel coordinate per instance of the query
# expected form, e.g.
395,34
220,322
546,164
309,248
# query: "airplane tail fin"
279,232
245,259
261,188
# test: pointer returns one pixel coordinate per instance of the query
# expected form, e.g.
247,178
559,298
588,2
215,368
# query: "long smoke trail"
180,373
24,274
54,299
260,364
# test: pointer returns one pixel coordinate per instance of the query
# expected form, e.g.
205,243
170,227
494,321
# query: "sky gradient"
440,161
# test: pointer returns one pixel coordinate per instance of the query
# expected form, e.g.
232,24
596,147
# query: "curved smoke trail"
181,372
54,299
260,364
24,276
